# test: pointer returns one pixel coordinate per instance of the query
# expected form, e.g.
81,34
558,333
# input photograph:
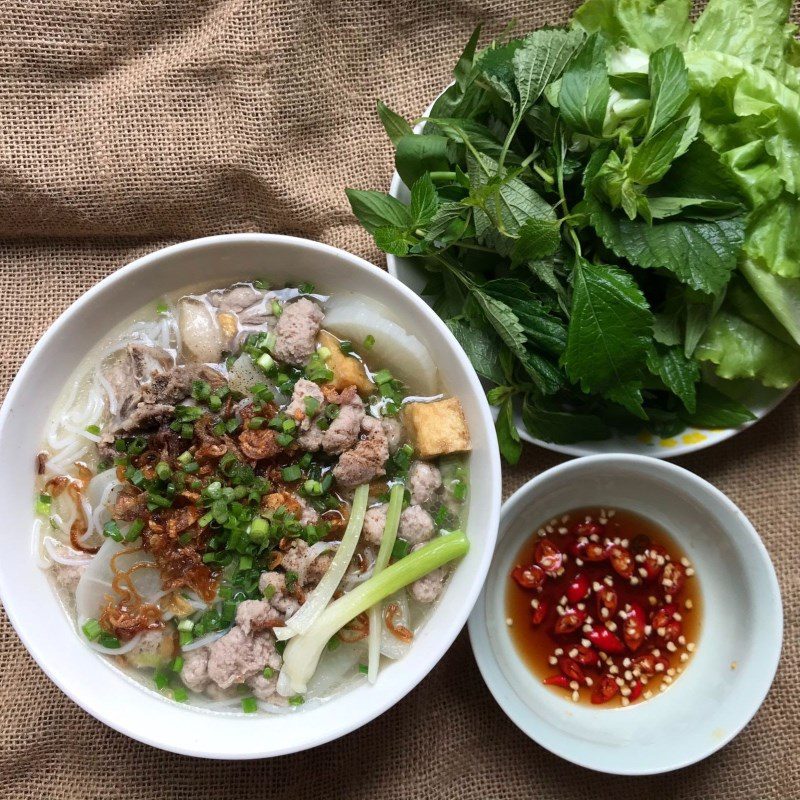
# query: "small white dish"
739,644
92,681
759,399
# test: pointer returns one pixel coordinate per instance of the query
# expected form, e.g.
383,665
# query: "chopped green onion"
306,288
277,310
346,347
363,669
93,429
269,591
232,425
259,529
191,467
400,549
312,405
459,489
245,562
161,680
92,630
177,664
112,531
185,457
43,504
324,353
382,376
369,341
179,694
163,470
268,672
158,500
296,700
255,423
291,473
185,625
109,641
266,362
135,529
249,705
333,643
214,403
162,308
185,637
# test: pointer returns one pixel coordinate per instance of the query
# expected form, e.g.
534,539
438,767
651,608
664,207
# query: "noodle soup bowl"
95,682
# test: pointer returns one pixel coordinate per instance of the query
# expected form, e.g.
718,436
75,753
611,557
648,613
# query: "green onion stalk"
320,597
381,562
303,652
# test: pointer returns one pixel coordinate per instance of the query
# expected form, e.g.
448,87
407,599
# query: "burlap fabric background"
129,124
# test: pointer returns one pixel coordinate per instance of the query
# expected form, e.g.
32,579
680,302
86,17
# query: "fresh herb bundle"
603,207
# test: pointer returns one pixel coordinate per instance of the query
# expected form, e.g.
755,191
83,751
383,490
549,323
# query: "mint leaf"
562,427
496,67
538,238
540,60
609,330
505,322
669,87
424,201
585,89
391,240
508,203
499,394
701,254
541,328
439,227
375,210
679,373
717,410
394,125
507,434
481,347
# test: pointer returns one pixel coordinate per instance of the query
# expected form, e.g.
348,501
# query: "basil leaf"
394,125
669,87
376,210
419,153
424,201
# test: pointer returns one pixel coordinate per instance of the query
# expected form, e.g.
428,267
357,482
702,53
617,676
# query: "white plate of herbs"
604,215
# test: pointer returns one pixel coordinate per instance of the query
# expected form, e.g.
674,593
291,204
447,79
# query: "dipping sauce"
603,606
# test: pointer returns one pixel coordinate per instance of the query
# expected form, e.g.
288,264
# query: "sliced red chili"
557,680
549,557
606,599
633,627
663,616
653,561
578,589
594,551
603,639
621,560
570,622
636,691
605,687
539,612
586,656
571,668
673,576
530,577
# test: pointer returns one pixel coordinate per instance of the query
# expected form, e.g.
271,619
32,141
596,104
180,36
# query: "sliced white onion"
209,638
113,651
61,554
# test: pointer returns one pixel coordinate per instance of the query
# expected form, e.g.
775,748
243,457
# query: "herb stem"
442,176
543,174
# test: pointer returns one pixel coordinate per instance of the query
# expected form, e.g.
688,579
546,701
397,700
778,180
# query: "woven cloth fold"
131,124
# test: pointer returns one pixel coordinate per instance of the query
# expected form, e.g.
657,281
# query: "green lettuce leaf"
645,24
781,295
739,349
773,240
753,30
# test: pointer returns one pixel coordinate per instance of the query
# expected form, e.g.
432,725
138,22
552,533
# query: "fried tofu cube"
437,428
347,371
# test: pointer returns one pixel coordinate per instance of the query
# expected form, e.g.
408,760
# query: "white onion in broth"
405,356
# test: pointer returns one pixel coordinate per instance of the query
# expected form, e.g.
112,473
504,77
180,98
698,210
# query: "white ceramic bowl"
739,644
90,680
759,399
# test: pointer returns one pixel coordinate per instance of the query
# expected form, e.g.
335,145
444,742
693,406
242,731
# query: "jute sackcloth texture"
127,125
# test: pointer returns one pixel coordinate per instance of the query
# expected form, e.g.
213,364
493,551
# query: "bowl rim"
503,690
108,713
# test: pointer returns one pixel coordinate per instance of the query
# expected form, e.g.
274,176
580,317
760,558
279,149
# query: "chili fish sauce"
603,606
